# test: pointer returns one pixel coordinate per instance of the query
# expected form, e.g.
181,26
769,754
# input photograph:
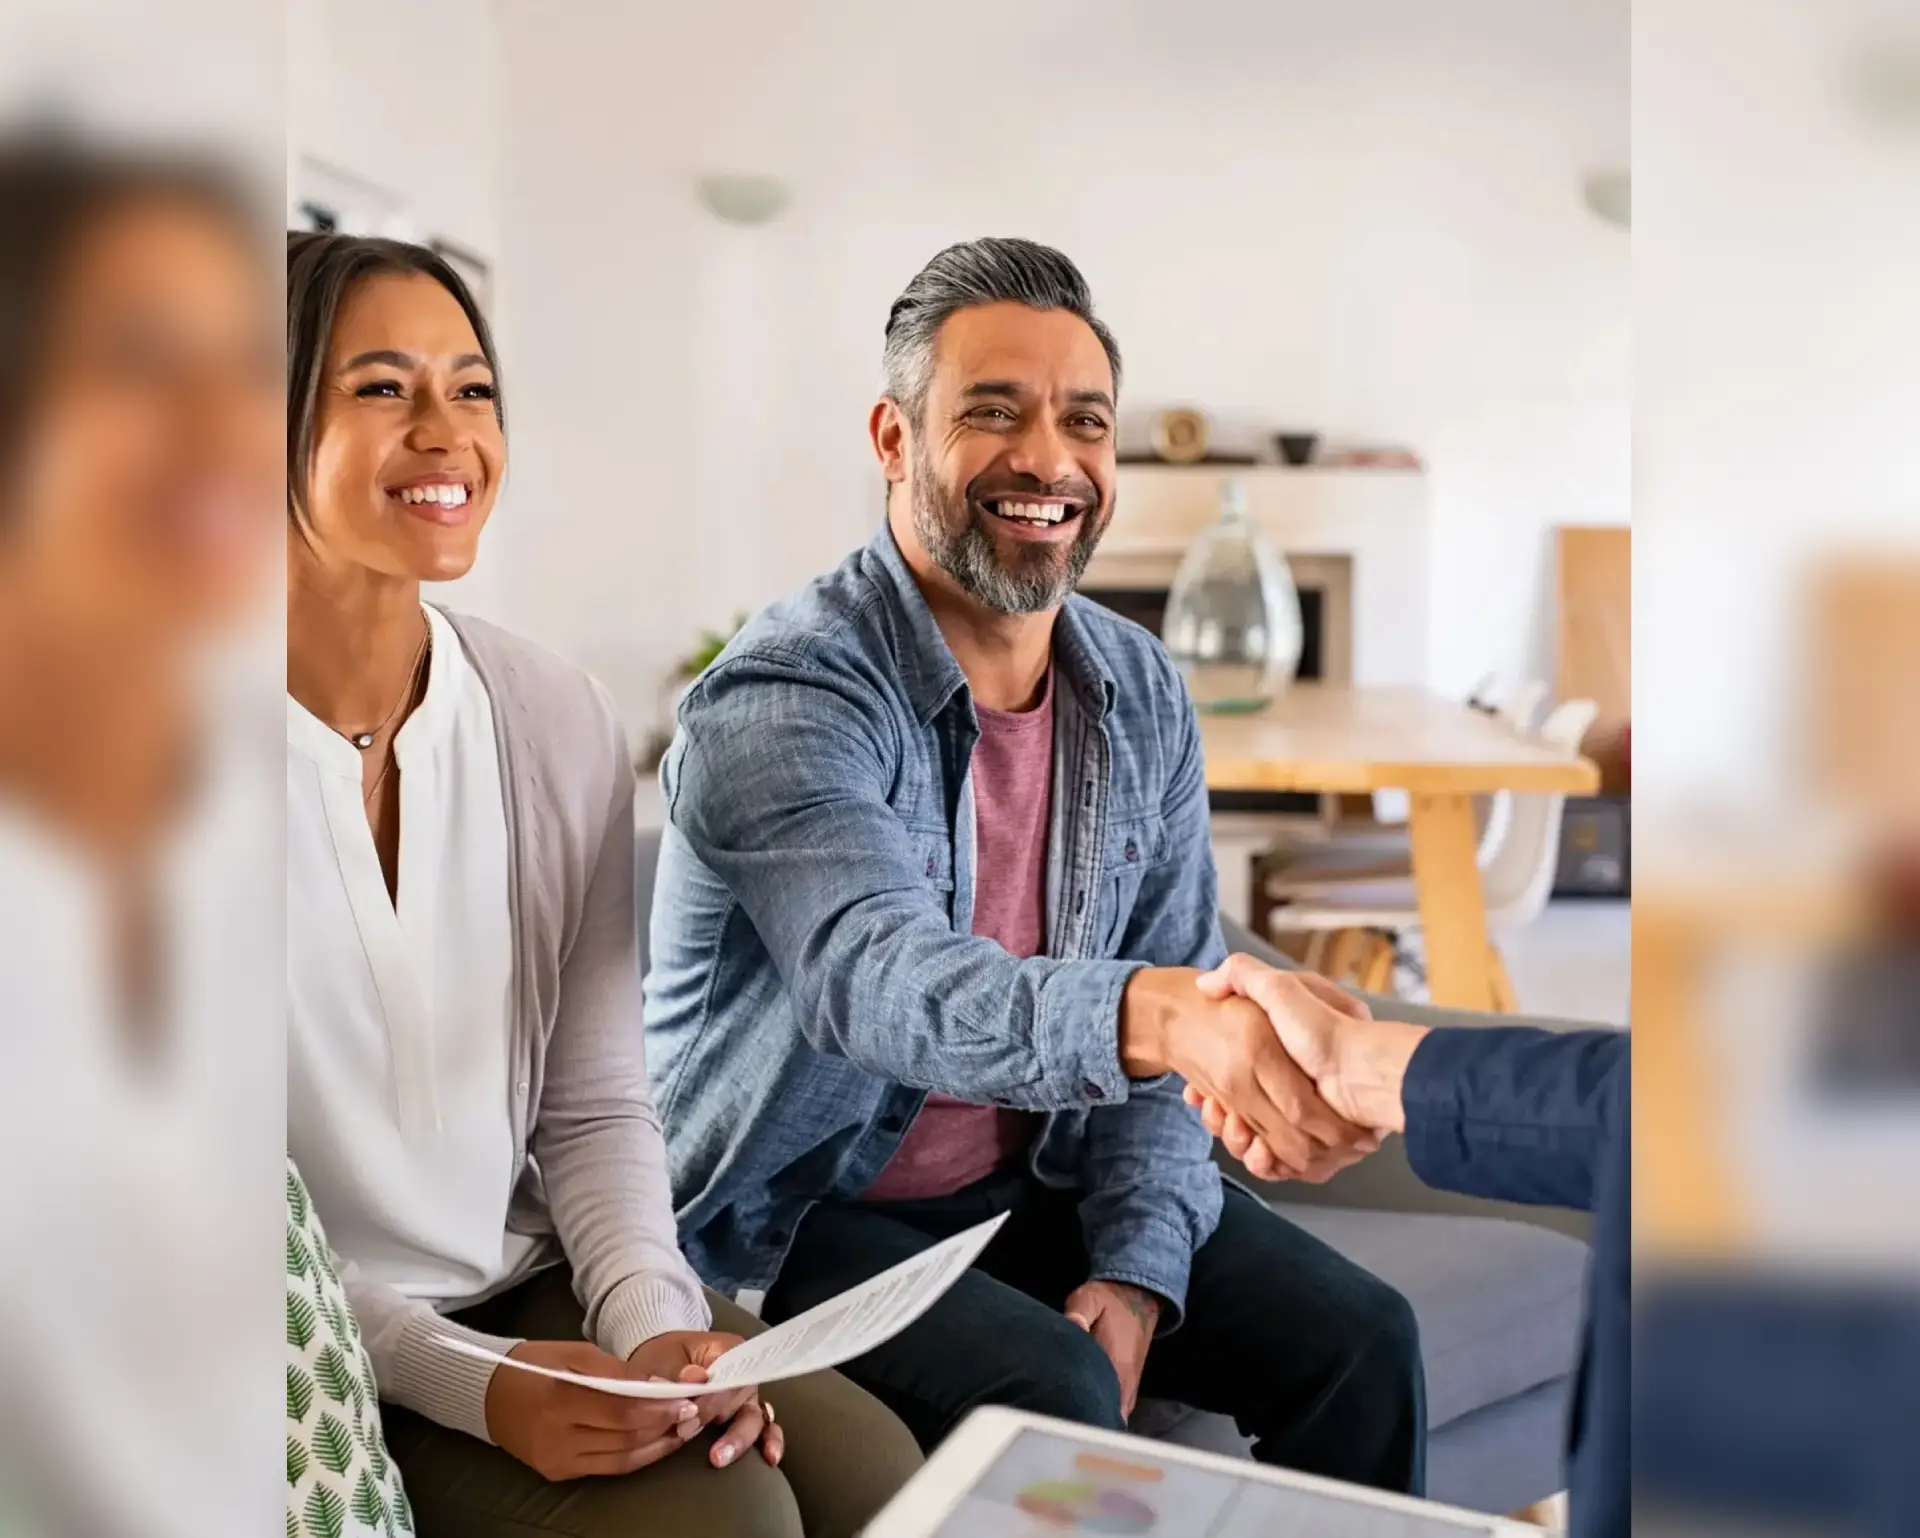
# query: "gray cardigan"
587,1143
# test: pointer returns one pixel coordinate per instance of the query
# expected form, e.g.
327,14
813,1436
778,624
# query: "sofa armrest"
1386,1182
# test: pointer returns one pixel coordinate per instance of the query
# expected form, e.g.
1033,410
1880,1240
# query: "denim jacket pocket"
1135,845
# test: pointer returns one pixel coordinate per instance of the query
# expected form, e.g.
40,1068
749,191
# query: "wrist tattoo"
1143,1305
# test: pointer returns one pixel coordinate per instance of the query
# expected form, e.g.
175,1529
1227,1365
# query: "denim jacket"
814,971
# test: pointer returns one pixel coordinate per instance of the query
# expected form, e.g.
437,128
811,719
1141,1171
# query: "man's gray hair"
991,271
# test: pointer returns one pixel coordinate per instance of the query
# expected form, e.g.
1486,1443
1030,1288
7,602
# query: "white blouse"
399,1010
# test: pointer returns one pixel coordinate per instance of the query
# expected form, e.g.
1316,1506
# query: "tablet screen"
1046,1486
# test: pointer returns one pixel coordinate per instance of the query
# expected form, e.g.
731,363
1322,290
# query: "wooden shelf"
1160,508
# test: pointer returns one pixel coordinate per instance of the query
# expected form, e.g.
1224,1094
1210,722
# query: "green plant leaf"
299,1393
293,1522
339,1321
326,1513
296,1198
368,1507
402,1508
299,1257
331,1369
296,1462
301,1321
712,643
333,1444
324,1273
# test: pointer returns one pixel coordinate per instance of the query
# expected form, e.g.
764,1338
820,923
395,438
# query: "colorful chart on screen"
1079,1506
1047,1486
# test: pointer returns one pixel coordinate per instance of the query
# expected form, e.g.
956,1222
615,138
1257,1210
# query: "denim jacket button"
1093,1091
1133,851
929,867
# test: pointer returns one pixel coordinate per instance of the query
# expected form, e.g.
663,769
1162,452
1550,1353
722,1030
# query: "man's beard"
1028,579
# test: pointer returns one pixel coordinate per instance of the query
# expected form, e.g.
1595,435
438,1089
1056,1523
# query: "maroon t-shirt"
952,1143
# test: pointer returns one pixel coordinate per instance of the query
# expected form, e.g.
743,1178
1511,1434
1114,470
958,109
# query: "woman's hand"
683,1356
563,1431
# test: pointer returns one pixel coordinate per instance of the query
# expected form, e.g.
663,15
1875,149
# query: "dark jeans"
1317,1360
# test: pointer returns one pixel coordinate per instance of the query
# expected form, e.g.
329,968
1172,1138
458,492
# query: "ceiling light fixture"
749,198
1609,196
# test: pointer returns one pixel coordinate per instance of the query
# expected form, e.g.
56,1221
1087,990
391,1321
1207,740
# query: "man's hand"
563,1431
1356,1062
1228,1051
684,1356
1122,1319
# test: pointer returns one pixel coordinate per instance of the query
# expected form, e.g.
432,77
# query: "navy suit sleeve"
1514,1113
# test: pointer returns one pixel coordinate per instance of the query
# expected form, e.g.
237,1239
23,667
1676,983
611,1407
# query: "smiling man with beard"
926,932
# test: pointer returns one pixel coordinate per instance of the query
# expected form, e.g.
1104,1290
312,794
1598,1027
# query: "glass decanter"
1233,614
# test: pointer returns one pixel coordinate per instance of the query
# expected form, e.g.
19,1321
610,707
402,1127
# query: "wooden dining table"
1354,739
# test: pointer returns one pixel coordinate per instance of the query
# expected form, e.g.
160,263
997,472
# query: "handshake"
1292,1073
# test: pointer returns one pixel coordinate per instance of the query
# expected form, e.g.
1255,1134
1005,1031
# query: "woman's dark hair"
55,189
322,270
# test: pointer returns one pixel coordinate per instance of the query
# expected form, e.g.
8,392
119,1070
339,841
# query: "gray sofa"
1498,1292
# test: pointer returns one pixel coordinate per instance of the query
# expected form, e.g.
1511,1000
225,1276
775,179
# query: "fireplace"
1148,606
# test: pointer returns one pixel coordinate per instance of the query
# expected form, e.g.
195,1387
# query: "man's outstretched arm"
780,782
1514,1113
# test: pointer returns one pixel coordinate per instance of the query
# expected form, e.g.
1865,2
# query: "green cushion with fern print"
340,1481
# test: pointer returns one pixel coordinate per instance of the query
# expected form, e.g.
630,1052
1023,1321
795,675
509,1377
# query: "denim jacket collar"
927,664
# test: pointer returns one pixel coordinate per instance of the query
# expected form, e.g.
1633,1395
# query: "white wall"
404,94
1776,392
1364,218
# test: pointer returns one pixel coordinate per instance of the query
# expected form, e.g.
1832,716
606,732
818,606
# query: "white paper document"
824,1336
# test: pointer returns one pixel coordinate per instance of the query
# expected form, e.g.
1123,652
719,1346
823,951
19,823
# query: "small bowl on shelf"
1296,448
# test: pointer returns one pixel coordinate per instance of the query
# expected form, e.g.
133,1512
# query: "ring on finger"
766,1409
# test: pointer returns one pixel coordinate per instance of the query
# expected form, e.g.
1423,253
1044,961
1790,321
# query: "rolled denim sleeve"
779,781
1152,1188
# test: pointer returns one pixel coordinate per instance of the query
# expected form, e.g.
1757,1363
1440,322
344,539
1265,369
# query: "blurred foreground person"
1776,1384
140,886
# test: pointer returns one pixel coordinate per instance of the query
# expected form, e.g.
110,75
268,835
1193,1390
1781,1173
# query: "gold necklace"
413,687
365,740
